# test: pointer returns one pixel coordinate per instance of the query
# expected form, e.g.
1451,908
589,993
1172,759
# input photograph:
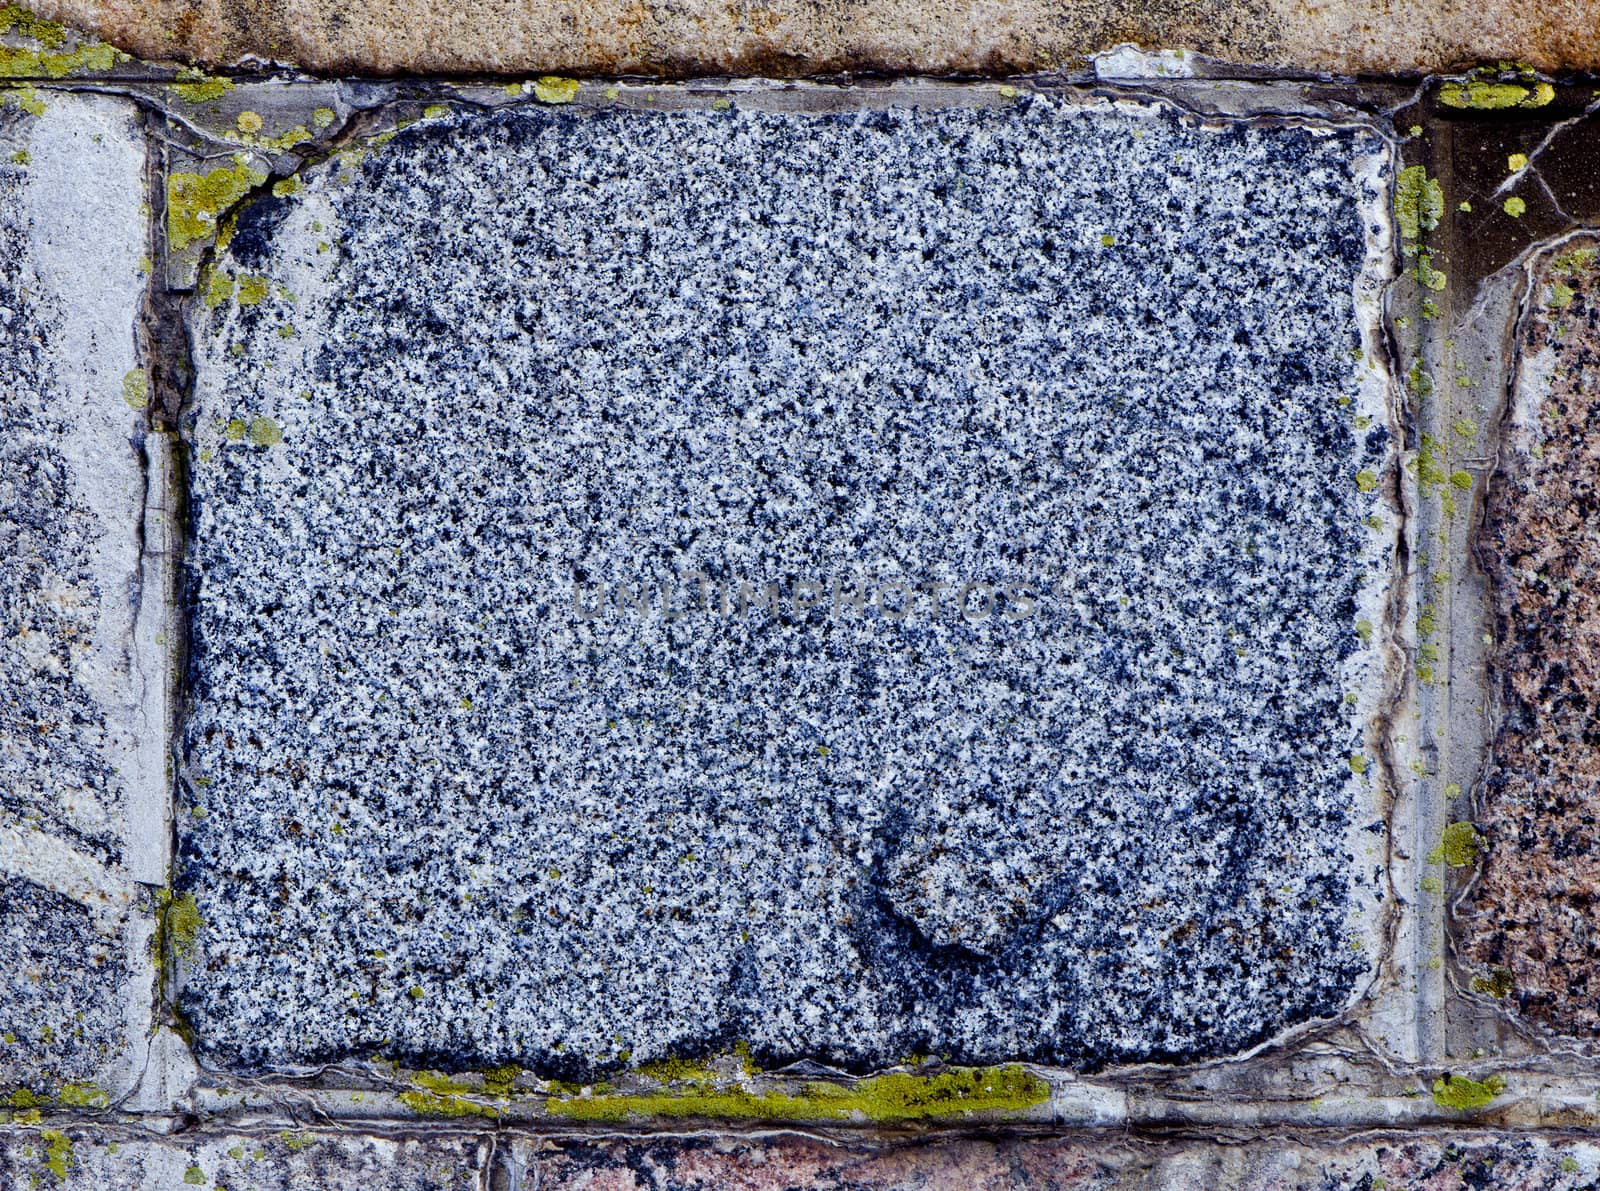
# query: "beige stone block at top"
797,37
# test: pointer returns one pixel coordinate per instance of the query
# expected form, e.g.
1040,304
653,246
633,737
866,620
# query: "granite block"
1084,1162
687,38
75,760
101,1159
1529,931
664,580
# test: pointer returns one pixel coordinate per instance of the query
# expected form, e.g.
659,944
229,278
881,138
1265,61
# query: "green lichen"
1561,295
1432,884
1461,1094
1429,277
195,201
1515,207
253,289
1458,847
440,1096
1481,95
552,89
84,1095
286,187
264,432
18,20
57,1152
1364,631
195,86
894,1097
195,1177
25,1098
29,63
1461,480
1497,984
219,288
1358,764
179,924
1418,202
1367,480
22,157
1579,260
26,98
322,118
136,389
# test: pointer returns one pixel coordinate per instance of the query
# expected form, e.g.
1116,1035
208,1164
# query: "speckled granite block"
456,389
1082,1163
99,1159
1530,930
71,495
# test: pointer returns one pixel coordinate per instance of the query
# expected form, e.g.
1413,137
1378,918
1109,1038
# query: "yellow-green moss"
1458,847
440,1096
1497,984
1480,95
26,98
219,288
1418,202
18,20
194,201
179,923
84,1095
195,86
1462,1094
264,432
253,289
87,59
896,1097
553,89
136,389
57,1152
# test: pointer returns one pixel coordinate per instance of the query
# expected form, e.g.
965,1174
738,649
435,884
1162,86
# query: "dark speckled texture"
439,814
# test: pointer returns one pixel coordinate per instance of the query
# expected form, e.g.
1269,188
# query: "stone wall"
569,617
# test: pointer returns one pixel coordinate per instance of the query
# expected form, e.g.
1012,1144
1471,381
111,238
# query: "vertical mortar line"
159,631
1434,538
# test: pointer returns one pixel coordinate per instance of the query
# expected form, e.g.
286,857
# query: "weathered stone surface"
82,1157
71,495
74,1156
439,810
1083,1162
1531,923
793,37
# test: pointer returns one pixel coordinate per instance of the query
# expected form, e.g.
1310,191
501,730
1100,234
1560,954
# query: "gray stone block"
501,748
79,763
